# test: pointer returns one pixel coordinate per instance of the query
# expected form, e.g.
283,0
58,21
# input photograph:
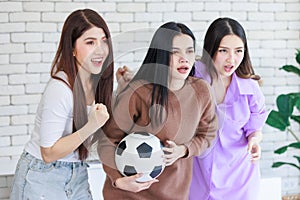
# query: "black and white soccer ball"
140,152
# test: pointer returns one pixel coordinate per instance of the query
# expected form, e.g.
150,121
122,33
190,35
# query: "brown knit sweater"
190,120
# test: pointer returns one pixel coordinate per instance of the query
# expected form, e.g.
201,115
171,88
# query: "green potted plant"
287,105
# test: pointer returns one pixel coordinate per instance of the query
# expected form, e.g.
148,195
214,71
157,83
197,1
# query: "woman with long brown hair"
74,107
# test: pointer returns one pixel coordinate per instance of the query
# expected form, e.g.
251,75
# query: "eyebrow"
176,48
93,38
229,48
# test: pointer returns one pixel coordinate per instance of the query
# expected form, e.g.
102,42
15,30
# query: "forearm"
66,145
204,138
112,173
206,131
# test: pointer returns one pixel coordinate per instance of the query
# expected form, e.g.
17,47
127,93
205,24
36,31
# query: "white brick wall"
30,30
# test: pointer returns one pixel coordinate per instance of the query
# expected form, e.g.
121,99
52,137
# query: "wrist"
90,128
85,131
115,183
185,151
255,136
254,139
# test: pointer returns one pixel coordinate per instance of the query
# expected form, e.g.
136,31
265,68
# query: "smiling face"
182,57
229,55
91,50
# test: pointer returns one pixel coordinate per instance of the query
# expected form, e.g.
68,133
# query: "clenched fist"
98,116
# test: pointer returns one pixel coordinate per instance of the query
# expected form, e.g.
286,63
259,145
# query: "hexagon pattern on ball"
140,152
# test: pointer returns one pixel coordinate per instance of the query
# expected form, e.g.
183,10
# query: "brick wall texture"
30,31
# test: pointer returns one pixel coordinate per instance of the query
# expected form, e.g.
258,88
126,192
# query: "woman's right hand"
98,116
129,183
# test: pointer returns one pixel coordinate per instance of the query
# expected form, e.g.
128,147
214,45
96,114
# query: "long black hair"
155,67
218,29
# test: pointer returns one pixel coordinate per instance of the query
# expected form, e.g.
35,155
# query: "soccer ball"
140,152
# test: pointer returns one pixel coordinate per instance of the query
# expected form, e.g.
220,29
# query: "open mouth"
183,69
97,61
228,68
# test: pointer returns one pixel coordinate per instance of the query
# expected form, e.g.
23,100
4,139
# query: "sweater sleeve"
207,126
118,126
107,144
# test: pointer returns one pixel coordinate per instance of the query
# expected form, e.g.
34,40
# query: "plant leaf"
298,159
297,103
285,104
296,118
291,68
278,164
295,95
281,150
295,145
298,56
276,120
295,99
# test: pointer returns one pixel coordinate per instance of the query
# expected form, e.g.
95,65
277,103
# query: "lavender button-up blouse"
226,171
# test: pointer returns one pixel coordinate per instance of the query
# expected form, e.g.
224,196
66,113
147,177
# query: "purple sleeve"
201,72
258,113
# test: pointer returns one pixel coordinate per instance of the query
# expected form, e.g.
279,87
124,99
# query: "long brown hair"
75,25
215,33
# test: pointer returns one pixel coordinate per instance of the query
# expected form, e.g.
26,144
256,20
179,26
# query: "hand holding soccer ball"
130,184
140,157
173,152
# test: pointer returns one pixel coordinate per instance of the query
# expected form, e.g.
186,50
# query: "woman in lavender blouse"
229,169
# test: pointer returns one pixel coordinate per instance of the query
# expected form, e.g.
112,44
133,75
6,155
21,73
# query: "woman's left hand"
254,149
173,152
124,76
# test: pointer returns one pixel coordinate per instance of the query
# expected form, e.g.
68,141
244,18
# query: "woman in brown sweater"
164,100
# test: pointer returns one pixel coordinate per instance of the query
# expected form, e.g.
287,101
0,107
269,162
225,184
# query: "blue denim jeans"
36,180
